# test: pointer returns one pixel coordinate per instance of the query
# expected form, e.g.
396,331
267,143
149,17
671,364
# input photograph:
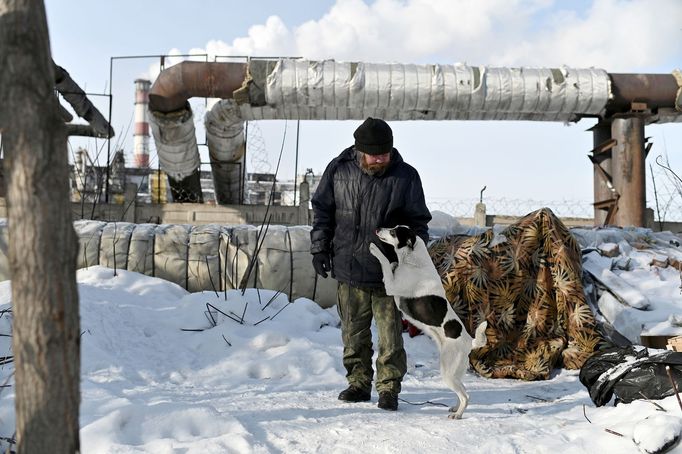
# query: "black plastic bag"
630,373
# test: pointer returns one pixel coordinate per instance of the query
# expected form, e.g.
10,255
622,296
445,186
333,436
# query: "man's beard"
372,169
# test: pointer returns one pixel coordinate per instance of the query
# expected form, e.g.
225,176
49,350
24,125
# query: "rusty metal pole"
629,170
601,134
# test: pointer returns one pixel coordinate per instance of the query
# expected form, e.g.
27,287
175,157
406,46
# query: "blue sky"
517,160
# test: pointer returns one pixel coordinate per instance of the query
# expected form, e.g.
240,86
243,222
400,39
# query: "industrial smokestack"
141,136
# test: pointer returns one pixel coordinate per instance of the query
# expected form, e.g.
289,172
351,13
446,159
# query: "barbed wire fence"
464,208
670,205
502,206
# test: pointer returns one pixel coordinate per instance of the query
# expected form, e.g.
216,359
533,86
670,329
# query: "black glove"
322,263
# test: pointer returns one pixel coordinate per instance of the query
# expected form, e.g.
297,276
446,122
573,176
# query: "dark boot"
353,394
388,401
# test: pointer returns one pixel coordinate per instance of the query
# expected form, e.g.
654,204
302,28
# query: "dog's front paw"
375,251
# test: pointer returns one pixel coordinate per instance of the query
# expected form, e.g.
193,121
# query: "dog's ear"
406,236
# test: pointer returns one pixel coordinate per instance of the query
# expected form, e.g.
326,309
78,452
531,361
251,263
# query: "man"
366,187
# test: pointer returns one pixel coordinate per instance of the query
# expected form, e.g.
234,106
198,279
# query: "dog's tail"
480,338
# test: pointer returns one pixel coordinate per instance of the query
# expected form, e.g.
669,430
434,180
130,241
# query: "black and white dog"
420,296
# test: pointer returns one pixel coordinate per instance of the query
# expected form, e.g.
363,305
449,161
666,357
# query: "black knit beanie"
374,136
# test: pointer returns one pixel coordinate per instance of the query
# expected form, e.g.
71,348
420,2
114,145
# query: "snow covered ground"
158,377
642,270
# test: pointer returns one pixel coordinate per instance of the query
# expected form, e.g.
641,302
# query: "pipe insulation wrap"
176,142
337,90
331,90
677,74
225,137
208,257
225,131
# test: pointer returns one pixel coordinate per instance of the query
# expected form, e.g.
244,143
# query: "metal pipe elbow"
175,85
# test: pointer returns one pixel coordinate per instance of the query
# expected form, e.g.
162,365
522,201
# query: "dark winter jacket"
350,205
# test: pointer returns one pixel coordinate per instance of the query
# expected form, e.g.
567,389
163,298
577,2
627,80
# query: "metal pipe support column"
629,170
601,137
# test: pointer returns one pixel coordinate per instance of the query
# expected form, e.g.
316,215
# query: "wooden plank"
657,341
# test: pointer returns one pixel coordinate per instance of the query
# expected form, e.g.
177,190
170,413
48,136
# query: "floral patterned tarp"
526,282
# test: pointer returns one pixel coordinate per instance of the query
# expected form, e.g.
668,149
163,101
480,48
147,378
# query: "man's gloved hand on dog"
322,263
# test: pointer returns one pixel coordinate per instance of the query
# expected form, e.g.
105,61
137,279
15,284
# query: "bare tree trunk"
43,244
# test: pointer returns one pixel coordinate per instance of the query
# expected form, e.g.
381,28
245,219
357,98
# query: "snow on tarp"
647,267
624,292
622,317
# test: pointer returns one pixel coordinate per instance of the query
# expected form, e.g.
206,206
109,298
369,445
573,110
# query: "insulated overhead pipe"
177,84
301,89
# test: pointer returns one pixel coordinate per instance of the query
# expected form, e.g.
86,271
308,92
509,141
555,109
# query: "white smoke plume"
617,35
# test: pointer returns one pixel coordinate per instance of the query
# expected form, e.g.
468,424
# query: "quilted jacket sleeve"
416,210
324,208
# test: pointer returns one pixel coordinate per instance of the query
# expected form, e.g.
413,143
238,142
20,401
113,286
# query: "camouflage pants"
356,308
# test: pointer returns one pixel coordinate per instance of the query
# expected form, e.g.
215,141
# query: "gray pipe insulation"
226,148
330,90
202,258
